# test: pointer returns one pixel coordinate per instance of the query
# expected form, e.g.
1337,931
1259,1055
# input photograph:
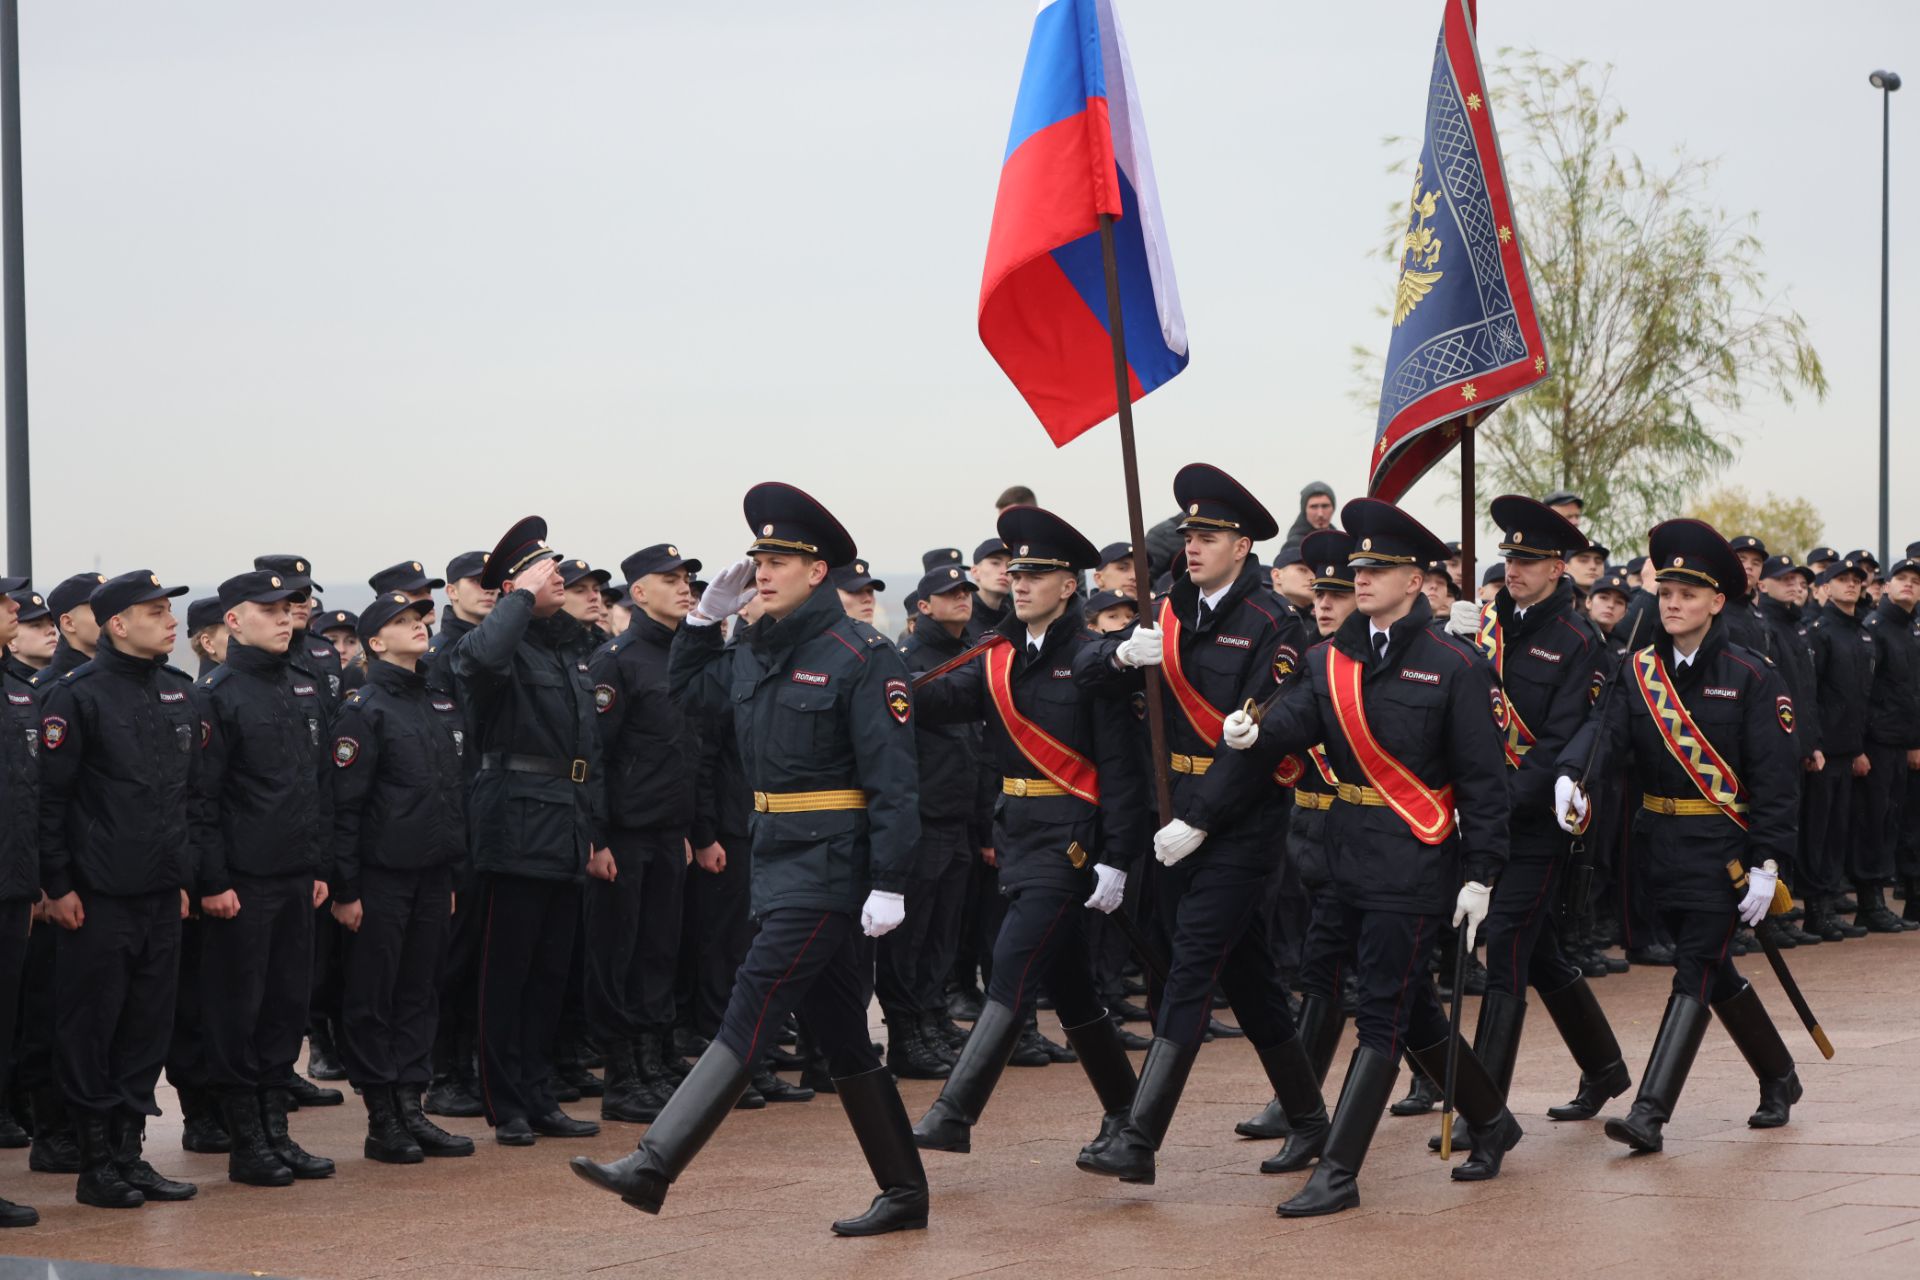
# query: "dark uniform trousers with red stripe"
1523,945
1043,943
1399,1008
811,962
1213,911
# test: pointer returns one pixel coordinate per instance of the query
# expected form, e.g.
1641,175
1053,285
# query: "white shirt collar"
1684,659
1213,601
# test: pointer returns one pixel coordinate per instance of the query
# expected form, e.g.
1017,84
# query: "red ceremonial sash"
1688,746
1427,813
1492,641
1056,761
1207,720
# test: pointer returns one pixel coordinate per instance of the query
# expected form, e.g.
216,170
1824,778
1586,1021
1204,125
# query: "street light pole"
13,298
1886,82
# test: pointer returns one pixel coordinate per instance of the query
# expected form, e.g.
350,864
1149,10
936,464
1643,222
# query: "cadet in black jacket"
119,747
1784,587
956,818
536,810
1411,721
1071,818
1695,696
399,826
262,821
824,716
1228,639
456,1074
1893,752
1843,656
1550,665
19,842
636,884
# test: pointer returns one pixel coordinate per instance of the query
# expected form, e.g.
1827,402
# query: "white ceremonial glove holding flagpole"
1463,619
1471,906
1141,649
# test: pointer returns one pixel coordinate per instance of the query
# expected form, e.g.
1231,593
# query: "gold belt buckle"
579,773
1017,787
759,802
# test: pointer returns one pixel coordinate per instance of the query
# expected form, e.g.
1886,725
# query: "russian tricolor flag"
1078,149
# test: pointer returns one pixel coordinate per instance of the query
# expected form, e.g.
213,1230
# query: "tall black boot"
1496,1042
685,1125
1321,1021
1163,1077
1660,1084
56,1143
1759,1042
948,1124
200,1129
273,1118
1334,1184
1290,1070
879,1120
1477,1095
250,1161
129,1134
1104,1058
387,1139
101,1183
432,1139
1590,1039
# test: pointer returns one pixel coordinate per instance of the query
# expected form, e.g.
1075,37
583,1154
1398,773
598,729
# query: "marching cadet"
823,711
1410,720
856,588
35,638
537,812
990,576
262,819
1893,752
1550,666
1326,949
1070,820
956,822
1708,726
1843,656
636,886
1223,638
399,825
119,749
456,1082
19,833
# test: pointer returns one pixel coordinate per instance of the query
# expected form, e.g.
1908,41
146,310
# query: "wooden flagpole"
1136,523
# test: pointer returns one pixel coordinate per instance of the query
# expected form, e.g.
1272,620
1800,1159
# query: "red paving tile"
1843,1182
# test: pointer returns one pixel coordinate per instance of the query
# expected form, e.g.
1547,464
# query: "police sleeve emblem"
899,705
345,752
603,697
53,732
1783,708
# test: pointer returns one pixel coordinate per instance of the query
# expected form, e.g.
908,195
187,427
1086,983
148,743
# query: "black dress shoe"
1029,1052
17,1215
1128,1011
774,1089
1134,1040
1224,1031
302,1092
514,1133
1655,953
558,1124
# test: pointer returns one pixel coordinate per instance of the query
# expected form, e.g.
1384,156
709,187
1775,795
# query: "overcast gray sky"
368,280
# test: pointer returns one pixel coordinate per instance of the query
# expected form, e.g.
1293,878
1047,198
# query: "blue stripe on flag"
1063,69
1151,360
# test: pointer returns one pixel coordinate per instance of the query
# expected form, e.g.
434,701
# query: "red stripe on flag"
1053,190
1056,352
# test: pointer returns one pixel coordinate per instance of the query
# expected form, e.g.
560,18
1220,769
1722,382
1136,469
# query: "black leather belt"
572,770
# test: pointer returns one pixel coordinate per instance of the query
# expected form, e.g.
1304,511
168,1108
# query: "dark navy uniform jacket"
1554,670
958,783
1792,654
1741,705
399,779
1843,655
820,703
1249,646
1032,833
535,803
263,803
1433,704
19,791
1893,719
119,744
651,747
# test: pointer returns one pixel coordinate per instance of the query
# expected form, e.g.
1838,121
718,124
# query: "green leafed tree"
1788,526
1659,322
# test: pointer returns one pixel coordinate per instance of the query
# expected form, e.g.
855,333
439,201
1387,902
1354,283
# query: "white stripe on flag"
1136,161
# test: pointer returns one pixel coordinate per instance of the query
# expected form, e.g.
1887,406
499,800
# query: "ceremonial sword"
1738,874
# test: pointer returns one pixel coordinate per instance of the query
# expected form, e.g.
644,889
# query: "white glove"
1569,806
1463,619
727,594
883,913
1471,906
1753,907
1175,841
1141,649
1240,731
1109,886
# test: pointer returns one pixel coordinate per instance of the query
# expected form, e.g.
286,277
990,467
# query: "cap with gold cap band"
519,547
